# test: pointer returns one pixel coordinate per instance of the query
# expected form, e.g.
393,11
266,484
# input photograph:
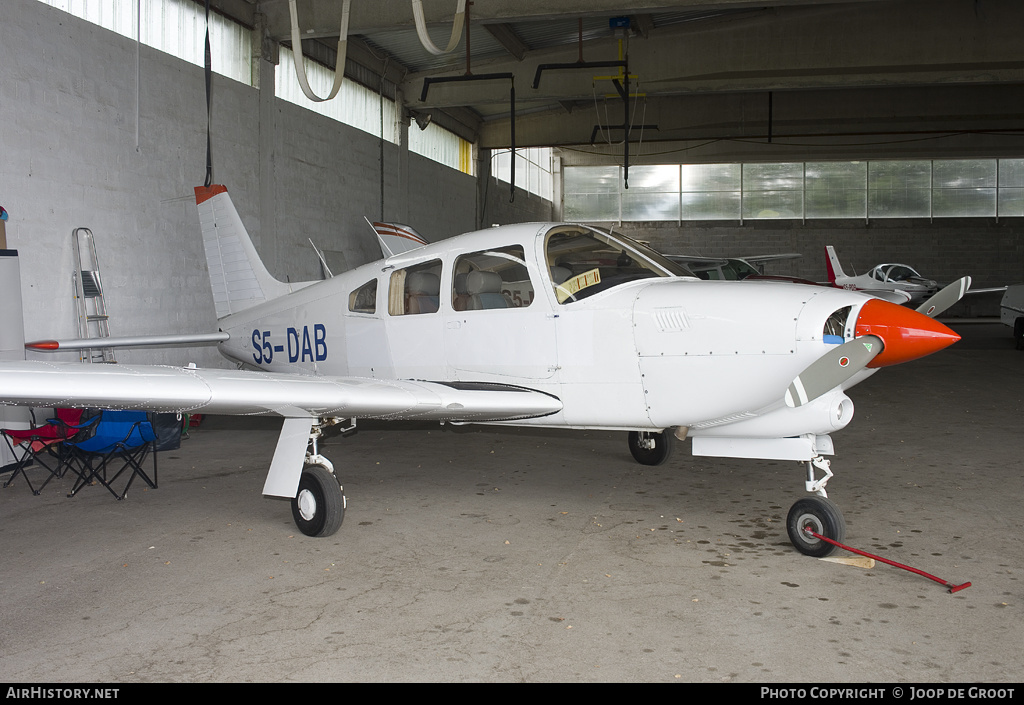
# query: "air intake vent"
671,319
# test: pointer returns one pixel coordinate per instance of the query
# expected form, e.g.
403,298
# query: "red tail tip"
43,345
205,193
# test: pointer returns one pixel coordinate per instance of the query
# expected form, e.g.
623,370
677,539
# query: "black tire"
657,454
823,517
1018,333
319,506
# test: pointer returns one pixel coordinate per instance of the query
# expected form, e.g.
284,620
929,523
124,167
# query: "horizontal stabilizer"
127,342
395,238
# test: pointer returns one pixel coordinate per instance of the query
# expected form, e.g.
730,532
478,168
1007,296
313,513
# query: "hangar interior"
890,129
108,133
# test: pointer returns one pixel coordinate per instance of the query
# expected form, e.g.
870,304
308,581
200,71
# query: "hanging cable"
380,100
339,64
209,103
421,27
138,70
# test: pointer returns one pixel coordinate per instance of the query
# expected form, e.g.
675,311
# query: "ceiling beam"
799,50
869,117
321,18
507,37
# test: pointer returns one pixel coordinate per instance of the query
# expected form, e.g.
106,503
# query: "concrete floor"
483,554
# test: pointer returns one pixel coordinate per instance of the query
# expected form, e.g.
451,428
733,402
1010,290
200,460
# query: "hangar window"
355,105
443,146
495,278
414,290
364,299
909,188
177,27
533,169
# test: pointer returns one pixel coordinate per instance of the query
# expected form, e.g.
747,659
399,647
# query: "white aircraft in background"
730,268
899,283
548,325
1011,312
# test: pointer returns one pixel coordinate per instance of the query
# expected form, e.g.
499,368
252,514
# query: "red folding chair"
42,445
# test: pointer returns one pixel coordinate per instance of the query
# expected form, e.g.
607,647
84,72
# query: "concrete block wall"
69,158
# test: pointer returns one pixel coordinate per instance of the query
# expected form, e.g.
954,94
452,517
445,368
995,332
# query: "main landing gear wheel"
650,448
319,506
820,515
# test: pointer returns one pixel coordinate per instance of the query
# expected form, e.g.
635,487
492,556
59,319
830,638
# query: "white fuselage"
653,353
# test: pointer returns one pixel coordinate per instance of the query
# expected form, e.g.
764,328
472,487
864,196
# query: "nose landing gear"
822,516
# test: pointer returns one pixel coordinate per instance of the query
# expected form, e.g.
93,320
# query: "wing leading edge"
246,393
300,399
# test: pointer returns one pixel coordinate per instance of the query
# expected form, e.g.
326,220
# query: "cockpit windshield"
901,272
584,262
894,273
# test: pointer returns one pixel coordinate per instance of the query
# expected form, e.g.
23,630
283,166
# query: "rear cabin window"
364,299
495,278
415,290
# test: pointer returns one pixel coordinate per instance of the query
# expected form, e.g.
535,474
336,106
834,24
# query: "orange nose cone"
906,334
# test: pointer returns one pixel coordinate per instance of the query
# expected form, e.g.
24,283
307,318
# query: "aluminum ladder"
93,321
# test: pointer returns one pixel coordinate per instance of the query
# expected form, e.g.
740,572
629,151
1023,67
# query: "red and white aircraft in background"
552,325
899,283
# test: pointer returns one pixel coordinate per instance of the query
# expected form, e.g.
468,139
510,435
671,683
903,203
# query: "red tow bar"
952,588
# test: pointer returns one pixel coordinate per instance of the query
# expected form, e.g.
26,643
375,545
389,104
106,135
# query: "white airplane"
549,325
899,283
729,268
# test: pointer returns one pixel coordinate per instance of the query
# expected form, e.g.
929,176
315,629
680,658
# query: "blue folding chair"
119,442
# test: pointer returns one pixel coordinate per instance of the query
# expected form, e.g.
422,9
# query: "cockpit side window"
415,290
364,299
583,262
495,278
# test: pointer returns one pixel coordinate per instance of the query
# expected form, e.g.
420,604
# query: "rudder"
237,275
832,264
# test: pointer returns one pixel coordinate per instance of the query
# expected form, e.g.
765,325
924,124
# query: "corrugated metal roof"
404,45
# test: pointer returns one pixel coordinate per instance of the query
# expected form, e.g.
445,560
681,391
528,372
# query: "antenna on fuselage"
323,262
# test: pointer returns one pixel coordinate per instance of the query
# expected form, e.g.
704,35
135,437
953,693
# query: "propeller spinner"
886,334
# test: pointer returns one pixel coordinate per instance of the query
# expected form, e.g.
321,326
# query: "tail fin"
237,274
832,263
395,238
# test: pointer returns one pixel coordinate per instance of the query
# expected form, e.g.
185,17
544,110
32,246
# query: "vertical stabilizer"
832,264
237,275
395,238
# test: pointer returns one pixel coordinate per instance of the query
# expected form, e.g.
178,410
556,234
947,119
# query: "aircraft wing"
244,393
893,296
761,259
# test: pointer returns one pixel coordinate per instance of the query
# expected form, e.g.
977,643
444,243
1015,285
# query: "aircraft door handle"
454,325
